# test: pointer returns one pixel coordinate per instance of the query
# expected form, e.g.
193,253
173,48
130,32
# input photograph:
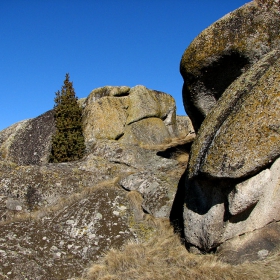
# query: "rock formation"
134,116
60,217
64,216
232,92
28,142
224,51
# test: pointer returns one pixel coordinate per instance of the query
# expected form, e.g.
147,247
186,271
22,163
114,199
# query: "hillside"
58,218
156,195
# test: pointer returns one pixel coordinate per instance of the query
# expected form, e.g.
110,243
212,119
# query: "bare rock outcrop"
28,142
253,246
131,115
62,243
224,51
231,89
117,122
61,217
240,136
217,211
134,116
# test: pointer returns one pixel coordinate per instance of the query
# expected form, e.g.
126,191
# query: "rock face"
60,217
71,213
67,239
240,136
254,246
224,51
134,116
232,89
28,142
131,115
217,211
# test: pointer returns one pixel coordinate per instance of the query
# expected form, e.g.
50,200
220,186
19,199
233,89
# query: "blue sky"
104,42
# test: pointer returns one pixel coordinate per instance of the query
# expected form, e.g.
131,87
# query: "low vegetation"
164,257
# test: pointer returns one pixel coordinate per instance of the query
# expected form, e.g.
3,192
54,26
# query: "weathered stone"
157,194
108,113
240,136
8,135
154,177
67,247
106,91
27,269
145,103
231,86
147,131
225,50
82,219
204,211
247,193
129,114
29,142
263,211
107,160
251,246
130,156
14,204
184,126
73,212
211,216
104,118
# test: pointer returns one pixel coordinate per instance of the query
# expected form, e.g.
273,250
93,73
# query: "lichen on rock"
224,51
240,135
231,92
130,115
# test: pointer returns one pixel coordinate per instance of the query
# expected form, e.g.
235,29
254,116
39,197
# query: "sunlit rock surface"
225,50
232,93
55,219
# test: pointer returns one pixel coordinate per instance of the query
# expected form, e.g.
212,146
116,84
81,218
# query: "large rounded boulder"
232,92
224,51
233,172
241,135
131,115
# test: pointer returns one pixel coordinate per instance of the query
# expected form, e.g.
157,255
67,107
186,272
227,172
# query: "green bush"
68,142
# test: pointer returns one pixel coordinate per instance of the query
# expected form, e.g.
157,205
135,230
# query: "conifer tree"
68,140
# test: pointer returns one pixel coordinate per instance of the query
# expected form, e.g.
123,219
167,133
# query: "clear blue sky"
104,42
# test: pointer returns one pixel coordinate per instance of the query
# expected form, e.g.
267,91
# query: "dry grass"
164,257
135,198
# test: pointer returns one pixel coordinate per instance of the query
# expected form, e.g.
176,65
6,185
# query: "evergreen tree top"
66,94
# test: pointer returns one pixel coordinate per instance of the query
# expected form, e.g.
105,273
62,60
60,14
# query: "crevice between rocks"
177,209
143,118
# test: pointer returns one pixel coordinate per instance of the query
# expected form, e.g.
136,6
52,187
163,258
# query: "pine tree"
68,141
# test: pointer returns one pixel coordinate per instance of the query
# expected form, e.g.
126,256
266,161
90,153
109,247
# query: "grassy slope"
163,256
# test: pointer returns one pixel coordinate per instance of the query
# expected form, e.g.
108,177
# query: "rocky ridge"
58,218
